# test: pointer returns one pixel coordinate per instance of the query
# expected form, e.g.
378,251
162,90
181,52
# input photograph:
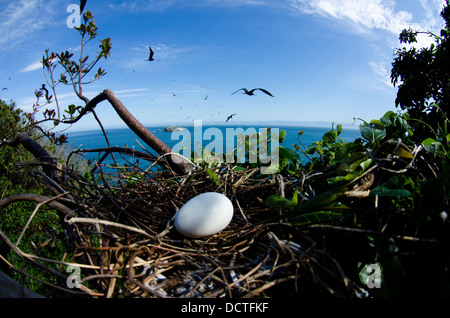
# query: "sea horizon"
125,137
271,124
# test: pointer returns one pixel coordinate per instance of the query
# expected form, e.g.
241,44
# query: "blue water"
124,137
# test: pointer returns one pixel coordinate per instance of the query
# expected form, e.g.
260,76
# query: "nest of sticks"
123,243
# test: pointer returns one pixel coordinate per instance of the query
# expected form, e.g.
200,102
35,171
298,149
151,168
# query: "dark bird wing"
46,91
150,58
229,117
242,89
82,4
262,90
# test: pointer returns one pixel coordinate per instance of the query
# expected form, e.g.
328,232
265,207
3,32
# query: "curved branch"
127,151
48,163
175,162
35,198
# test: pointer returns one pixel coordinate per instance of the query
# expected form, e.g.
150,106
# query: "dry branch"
176,162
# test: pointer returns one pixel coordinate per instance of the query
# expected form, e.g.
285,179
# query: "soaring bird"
46,91
251,92
82,4
229,117
150,58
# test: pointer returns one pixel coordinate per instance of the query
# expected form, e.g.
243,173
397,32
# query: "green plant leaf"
330,137
383,191
372,132
431,146
277,201
351,164
213,176
392,188
324,198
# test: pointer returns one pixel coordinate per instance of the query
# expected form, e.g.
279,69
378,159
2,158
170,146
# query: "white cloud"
382,71
370,15
160,5
432,19
21,18
364,14
32,67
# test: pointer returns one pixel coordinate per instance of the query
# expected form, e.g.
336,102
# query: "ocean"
124,137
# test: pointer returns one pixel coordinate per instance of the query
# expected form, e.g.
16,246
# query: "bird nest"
123,243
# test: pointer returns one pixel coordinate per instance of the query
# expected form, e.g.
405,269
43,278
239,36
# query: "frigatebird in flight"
82,4
229,117
46,92
150,58
251,92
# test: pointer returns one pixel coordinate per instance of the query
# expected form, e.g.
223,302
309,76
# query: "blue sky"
323,60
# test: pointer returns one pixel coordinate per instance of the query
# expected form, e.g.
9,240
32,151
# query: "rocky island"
173,128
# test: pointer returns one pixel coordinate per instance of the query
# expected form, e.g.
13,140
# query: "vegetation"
313,228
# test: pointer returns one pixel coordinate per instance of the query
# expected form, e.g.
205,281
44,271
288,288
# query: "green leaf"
295,198
323,198
376,123
431,146
392,188
355,161
372,132
330,137
277,201
291,154
383,191
213,176
428,142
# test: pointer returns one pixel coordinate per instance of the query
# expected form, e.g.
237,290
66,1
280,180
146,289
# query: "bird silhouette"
150,58
251,92
46,91
82,4
229,117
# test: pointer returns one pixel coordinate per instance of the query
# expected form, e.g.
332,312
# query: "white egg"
204,215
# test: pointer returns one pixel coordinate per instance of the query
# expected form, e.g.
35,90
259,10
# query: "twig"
108,223
34,213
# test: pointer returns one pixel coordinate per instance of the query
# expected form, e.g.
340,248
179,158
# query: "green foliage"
329,150
423,75
373,131
12,121
64,68
44,234
409,191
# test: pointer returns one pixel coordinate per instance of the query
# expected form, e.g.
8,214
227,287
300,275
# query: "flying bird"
251,92
229,117
150,58
82,4
4,89
46,91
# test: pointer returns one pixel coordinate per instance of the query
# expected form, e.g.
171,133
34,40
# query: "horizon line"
287,123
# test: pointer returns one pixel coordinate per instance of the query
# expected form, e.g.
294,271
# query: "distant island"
173,128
